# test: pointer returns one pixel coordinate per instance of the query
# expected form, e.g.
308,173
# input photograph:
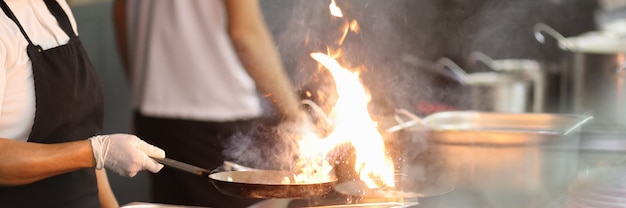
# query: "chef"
51,114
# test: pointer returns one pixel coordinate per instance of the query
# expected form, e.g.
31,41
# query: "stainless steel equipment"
494,91
499,155
593,75
524,69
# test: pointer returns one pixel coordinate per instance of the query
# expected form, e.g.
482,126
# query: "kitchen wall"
83,2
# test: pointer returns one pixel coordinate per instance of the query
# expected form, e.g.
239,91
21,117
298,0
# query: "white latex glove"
125,154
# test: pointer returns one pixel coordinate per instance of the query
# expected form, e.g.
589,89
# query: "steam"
376,48
424,30
396,48
264,147
390,32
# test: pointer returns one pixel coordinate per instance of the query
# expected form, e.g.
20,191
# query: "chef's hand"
125,154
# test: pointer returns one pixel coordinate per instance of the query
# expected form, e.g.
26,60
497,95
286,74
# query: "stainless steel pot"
500,156
495,91
524,69
593,75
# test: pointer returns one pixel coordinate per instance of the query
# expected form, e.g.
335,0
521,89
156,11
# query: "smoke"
376,49
425,30
264,147
392,36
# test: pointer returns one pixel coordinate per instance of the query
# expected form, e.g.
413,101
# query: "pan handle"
183,166
415,120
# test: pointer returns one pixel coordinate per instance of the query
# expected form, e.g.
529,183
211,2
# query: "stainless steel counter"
600,180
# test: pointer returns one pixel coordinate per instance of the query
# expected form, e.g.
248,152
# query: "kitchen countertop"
601,164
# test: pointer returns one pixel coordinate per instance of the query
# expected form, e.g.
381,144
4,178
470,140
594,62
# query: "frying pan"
254,183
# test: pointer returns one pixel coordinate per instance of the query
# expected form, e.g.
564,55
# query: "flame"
347,27
353,124
312,163
334,10
354,26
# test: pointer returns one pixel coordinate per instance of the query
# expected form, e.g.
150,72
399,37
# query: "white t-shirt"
17,90
184,63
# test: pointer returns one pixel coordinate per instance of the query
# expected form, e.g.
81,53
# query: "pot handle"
414,120
478,56
317,110
461,75
541,27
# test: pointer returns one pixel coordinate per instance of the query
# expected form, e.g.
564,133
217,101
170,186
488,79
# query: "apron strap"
58,13
10,14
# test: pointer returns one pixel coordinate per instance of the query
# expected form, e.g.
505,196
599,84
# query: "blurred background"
410,50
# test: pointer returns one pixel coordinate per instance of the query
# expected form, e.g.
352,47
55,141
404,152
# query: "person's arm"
258,54
119,21
107,198
26,162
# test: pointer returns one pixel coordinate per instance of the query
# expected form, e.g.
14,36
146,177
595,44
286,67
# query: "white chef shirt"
184,63
17,90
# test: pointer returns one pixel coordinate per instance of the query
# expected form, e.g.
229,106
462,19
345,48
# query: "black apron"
69,107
